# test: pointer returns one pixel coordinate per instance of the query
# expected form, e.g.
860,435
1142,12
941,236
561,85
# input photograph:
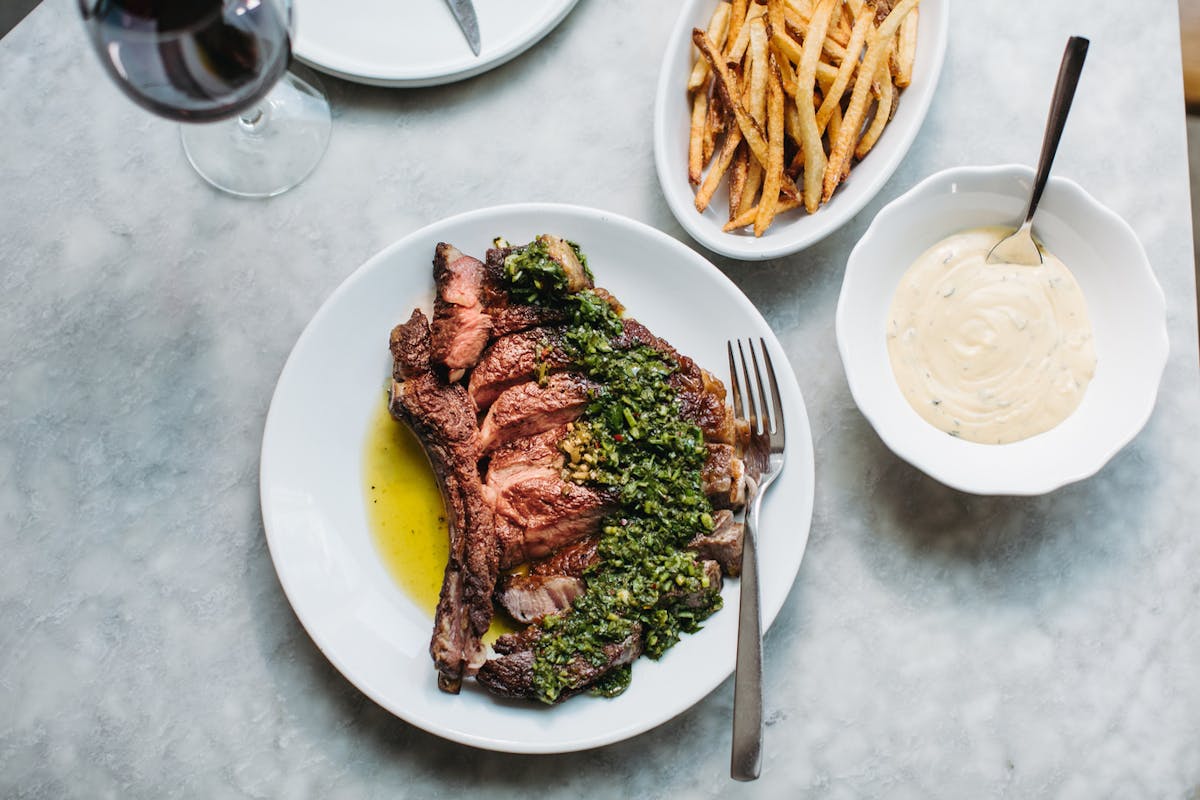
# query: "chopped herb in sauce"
633,439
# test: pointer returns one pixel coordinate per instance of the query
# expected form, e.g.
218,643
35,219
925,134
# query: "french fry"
862,25
750,129
754,179
814,153
718,28
737,17
737,178
747,217
906,51
775,14
883,111
717,171
738,49
696,158
773,172
757,55
877,48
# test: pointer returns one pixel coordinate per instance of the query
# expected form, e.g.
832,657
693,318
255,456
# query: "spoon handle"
1064,93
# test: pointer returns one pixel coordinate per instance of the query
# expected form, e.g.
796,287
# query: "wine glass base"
270,148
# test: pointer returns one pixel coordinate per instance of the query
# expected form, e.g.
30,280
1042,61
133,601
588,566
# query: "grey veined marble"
935,644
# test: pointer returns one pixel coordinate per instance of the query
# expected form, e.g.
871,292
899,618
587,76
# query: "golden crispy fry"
738,49
855,6
775,14
696,158
906,52
835,123
754,178
747,217
750,129
757,55
862,26
877,48
801,21
791,123
789,49
814,152
737,17
717,171
883,111
718,28
773,172
737,178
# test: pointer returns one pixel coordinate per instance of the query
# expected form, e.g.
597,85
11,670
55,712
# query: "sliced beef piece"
531,408
514,359
520,458
410,346
543,513
509,316
443,418
701,395
461,328
723,544
528,598
723,477
573,560
510,674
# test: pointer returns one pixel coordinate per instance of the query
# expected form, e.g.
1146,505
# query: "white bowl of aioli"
1124,301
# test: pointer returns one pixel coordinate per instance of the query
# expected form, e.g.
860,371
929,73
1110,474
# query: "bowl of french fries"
777,121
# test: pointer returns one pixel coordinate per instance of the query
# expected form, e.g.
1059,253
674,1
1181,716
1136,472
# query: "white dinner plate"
416,42
313,501
793,230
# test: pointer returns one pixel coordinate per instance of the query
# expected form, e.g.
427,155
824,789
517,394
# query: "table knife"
464,12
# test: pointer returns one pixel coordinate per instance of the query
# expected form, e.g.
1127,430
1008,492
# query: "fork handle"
746,756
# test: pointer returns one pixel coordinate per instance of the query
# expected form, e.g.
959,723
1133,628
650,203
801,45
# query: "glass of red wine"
224,64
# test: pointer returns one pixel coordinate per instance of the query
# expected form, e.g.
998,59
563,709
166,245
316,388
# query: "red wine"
191,60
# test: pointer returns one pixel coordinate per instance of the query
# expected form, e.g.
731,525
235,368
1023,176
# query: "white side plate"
409,43
314,507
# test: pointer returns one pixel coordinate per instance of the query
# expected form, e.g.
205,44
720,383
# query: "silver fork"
766,451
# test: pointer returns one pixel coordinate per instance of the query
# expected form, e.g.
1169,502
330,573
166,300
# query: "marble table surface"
935,644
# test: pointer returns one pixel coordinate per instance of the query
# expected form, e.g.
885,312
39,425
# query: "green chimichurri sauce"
631,438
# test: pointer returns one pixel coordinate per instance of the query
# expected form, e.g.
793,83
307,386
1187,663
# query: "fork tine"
776,403
734,389
762,392
751,408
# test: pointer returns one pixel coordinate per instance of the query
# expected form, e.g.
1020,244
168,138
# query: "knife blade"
464,13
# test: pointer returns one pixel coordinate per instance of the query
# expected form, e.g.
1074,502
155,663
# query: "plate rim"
801,453
415,79
749,248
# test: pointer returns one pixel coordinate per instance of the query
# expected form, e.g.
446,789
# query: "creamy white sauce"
989,353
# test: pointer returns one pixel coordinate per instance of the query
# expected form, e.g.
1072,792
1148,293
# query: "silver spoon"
1019,246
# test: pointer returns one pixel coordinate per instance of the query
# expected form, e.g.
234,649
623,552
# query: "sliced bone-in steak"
531,408
528,598
723,544
461,327
513,360
443,418
510,674
521,458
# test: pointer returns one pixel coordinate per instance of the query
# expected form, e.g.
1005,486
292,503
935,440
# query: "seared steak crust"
544,513
443,418
461,328
723,477
571,560
410,346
